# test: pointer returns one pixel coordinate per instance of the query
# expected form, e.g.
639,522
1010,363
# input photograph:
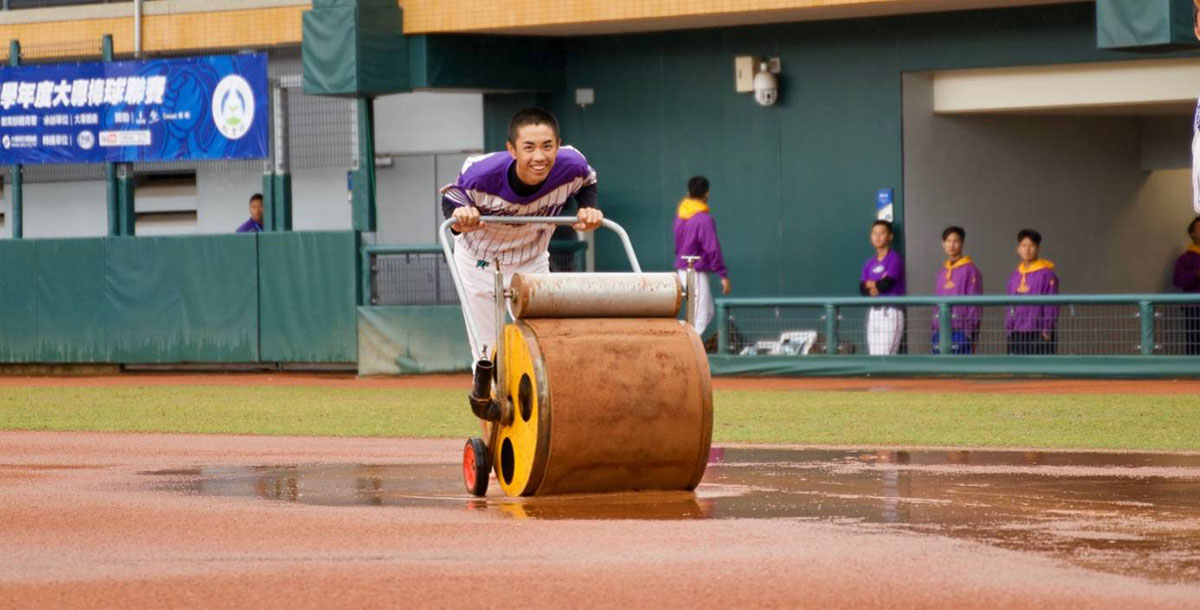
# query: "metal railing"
1086,325
418,274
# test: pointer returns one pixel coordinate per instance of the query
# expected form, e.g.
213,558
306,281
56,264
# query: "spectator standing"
696,235
958,277
1032,329
883,276
1187,279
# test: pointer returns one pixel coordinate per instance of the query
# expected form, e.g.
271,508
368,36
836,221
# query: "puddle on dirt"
1135,514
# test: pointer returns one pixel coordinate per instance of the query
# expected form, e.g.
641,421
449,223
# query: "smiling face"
953,245
1027,250
535,148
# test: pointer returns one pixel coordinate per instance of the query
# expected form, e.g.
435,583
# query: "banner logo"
233,107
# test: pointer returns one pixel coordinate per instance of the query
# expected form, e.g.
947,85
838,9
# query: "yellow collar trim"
690,207
964,260
1194,248
950,267
1037,265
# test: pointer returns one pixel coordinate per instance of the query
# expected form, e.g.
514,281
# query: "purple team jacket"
1035,279
697,236
1186,268
250,227
892,266
959,279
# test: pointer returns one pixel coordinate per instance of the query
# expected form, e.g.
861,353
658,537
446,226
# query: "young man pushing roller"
535,177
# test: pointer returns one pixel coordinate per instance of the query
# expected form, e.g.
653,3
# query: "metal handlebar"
448,251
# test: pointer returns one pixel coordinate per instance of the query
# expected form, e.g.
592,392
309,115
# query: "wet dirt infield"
137,520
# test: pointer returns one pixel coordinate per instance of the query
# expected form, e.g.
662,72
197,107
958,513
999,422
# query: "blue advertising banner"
153,110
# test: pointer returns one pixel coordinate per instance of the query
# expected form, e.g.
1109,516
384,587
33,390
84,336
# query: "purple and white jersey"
1196,160
483,183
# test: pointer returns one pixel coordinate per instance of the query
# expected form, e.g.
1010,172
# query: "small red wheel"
476,470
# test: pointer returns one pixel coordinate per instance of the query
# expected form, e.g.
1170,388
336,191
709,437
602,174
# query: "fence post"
945,330
365,276
831,338
722,329
110,169
125,198
280,211
18,172
1146,313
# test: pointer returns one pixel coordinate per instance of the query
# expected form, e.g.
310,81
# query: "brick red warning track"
81,527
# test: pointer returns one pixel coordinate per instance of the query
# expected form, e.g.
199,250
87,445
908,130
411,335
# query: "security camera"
766,86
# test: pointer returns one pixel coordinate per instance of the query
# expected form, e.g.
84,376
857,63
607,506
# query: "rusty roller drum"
602,404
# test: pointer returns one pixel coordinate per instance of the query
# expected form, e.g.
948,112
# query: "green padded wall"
18,301
218,283
179,299
412,340
70,284
143,306
307,297
182,299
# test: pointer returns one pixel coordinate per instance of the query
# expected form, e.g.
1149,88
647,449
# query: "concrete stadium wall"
1108,224
794,185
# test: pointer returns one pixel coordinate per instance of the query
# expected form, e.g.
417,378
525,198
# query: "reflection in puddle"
1128,513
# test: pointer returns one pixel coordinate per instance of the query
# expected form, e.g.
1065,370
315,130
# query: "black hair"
954,229
257,196
697,187
1030,234
1192,224
885,224
531,116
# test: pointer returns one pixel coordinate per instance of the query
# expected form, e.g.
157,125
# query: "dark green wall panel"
69,274
18,302
182,299
474,62
218,282
143,307
307,297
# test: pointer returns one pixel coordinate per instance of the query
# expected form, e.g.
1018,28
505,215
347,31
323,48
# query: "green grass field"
878,418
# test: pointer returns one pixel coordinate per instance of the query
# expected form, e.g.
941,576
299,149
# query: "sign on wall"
154,110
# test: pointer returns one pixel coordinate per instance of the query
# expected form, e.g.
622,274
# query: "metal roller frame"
448,249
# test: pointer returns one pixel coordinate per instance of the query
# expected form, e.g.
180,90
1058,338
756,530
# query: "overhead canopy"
1161,86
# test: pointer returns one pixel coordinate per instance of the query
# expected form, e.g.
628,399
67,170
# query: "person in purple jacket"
696,235
958,276
255,224
1187,279
883,276
1032,329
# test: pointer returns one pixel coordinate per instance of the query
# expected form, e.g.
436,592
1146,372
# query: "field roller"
594,386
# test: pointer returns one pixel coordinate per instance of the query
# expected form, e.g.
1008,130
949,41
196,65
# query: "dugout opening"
1096,157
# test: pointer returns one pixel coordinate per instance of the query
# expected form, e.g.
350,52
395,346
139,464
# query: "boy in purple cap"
535,177
958,276
696,235
1032,328
882,276
1187,279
